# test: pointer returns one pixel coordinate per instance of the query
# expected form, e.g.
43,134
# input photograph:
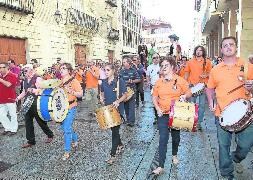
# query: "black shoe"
5,133
130,124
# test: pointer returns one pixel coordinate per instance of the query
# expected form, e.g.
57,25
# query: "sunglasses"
2,67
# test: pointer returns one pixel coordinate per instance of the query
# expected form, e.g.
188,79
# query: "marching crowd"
223,82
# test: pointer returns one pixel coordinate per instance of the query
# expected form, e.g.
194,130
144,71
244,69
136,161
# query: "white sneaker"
175,160
238,168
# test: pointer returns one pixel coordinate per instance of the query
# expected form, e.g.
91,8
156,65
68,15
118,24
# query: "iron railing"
25,6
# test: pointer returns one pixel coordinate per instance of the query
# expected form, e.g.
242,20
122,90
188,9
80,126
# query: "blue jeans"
69,135
130,110
201,101
244,141
164,137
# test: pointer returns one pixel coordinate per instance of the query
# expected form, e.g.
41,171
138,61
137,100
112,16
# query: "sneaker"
27,145
65,156
111,160
175,160
120,149
238,168
158,171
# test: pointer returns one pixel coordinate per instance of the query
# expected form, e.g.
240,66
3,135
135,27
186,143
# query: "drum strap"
71,102
117,88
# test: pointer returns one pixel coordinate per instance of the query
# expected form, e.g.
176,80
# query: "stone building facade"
228,18
74,30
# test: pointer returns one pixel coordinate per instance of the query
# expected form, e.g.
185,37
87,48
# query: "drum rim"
65,112
58,82
38,104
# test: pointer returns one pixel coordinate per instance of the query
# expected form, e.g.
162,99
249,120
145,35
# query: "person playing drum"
196,73
168,88
223,78
31,91
74,90
112,87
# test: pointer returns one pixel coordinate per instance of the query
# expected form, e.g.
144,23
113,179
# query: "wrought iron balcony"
113,34
113,3
25,6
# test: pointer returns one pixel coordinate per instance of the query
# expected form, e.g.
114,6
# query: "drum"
53,104
27,104
50,83
183,116
107,117
130,93
198,89
236,116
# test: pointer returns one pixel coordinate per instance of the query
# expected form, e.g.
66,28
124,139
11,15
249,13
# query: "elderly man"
30,91
8,81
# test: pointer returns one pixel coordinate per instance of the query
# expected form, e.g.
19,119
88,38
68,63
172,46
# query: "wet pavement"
198,152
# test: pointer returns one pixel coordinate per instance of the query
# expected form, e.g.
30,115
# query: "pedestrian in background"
8,81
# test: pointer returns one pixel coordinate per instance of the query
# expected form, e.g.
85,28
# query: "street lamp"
57,15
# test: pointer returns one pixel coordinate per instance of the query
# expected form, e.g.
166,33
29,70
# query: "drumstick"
235,89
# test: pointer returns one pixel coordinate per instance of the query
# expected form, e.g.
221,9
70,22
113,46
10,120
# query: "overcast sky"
179,13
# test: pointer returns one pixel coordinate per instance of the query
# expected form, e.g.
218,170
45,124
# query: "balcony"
24,6
113,34
112,3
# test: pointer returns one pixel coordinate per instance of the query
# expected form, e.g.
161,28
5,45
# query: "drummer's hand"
115,103
182,98
159,112
212,107
248,85
130,81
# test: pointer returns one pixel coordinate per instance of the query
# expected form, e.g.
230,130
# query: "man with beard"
30,91
196,73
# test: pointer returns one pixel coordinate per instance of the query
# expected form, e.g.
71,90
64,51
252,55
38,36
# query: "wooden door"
12,48
80,54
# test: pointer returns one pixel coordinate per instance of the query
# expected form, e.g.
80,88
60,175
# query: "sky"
180,13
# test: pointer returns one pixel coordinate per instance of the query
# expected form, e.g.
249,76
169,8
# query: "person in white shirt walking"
152,75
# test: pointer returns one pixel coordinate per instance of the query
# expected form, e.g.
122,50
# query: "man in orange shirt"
91,92
197,71
223,78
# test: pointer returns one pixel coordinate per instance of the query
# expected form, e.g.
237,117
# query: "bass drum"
53,104
107,117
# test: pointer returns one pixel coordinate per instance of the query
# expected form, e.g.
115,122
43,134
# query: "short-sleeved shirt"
140,69
110,92
75,85
181,72
127,74
195,69
8,94
91,81
168,91
223,79
153,72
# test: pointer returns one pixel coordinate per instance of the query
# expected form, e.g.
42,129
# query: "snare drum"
236,116
107,117
130,93
198,89
53,104
183,116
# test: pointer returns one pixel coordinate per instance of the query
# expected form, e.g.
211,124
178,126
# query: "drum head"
50,83
59,105
234,112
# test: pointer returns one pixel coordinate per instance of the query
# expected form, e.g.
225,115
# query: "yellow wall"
46,40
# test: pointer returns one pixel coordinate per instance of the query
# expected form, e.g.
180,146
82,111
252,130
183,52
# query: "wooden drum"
107,117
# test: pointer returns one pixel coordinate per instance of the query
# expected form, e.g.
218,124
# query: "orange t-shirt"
224,78
166,91
79,76
75,86
195,69
181,72
91,81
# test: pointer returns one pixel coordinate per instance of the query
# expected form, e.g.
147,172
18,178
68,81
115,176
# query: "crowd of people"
169,79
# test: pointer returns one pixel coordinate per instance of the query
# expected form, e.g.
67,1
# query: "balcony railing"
113,34
25,6
113,3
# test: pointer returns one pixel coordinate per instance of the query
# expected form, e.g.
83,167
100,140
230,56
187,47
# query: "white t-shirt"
153,73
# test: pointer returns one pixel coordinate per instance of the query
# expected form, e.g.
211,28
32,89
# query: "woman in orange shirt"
168,88
74,90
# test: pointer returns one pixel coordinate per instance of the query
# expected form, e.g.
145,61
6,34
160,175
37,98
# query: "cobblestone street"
198,152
